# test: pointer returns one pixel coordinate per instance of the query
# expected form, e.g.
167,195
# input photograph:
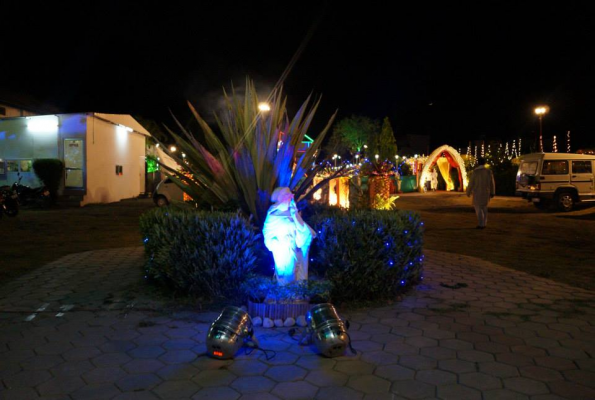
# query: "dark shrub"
367,255
205,254
50,171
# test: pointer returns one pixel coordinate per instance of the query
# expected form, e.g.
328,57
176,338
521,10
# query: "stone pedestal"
279,310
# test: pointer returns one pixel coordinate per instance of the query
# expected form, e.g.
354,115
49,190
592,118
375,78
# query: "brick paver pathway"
79,328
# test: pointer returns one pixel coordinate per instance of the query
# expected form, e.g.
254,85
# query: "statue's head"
281,195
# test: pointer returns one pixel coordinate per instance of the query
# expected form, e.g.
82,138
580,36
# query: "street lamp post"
541,111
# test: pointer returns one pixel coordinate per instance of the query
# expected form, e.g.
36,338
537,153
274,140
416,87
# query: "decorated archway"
445,157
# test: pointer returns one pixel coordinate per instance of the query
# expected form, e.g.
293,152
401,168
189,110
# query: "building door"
74,161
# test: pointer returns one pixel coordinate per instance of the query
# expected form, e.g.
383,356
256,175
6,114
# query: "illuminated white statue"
288,237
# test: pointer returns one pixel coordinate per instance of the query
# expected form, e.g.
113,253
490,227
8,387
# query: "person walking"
434,178
483,188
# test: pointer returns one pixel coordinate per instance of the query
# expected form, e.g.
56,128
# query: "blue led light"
406,232
146,240
391,263
403,283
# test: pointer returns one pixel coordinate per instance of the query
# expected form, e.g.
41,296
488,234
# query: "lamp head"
329,331
228,332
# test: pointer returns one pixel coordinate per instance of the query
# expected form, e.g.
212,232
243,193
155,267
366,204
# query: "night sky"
454,71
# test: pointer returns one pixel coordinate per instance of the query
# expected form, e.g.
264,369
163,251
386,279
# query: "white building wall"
10,112
109,145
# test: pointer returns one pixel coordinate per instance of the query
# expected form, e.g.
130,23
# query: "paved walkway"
80,328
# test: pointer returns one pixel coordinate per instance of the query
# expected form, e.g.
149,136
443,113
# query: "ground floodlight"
228,333
328,330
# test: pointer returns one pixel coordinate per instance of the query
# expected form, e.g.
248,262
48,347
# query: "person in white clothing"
483,188
434,177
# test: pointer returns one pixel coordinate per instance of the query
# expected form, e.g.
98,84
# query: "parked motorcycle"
29,196
9,201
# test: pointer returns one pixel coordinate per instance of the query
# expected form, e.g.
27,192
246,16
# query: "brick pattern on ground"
81,328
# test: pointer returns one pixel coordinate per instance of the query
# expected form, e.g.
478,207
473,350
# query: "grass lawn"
558,246
554,245
35,237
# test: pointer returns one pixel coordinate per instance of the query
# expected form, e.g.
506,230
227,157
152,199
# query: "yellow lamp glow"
264,107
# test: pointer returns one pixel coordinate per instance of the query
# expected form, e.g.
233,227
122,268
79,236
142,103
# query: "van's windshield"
528,167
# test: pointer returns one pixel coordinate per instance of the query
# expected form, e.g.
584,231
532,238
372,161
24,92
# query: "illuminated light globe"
264,107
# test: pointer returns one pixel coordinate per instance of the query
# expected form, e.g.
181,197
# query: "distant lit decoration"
568,142
475,153
173,149
452,157
506,151
483,153
288,237
514,151
520,147
555,145
339,192
152,165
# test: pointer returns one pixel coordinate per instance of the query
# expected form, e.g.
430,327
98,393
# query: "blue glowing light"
146,240
403,283
391,263
406,232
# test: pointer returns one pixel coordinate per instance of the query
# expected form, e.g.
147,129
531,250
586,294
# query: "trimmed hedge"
205,254
368,255
50,171
362,255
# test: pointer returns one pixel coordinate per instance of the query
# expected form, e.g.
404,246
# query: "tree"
386,144
253,153
354,132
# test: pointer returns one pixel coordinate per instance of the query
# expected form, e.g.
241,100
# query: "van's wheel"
565,201
161,201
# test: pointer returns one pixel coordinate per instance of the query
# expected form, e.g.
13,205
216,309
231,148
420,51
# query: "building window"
26,166
18,166
12,166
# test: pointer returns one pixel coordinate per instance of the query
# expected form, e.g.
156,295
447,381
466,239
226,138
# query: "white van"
560,179
166,192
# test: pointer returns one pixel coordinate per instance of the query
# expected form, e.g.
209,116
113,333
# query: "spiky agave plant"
253,153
